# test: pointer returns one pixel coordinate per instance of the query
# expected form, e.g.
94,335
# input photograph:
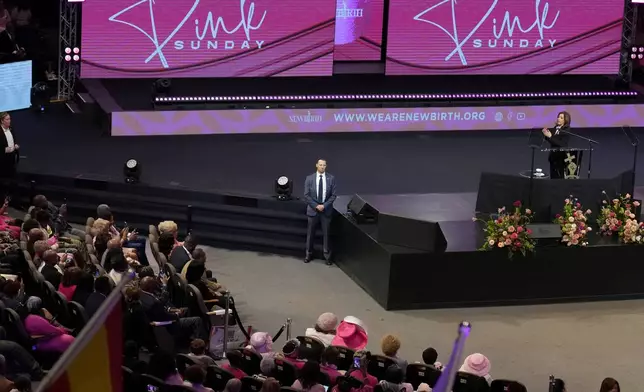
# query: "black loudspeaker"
361,210
411,233
546,233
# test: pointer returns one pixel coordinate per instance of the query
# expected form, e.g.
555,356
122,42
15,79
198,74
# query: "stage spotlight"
284,188
40,96
161,87
132,171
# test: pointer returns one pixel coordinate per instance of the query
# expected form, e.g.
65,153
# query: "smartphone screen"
356,362
152,388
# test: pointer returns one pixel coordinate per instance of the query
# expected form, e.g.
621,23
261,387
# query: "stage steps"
248,222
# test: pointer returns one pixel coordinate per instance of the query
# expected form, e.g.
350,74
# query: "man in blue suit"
319,194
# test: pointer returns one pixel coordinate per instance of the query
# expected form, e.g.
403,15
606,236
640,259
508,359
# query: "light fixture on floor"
284,188
132,171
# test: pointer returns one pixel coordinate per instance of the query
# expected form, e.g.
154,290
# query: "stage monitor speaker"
411,233
361,210
546,233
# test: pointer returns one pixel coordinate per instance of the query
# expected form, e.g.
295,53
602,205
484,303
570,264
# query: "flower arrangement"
508,230
614,214
572,220
633,232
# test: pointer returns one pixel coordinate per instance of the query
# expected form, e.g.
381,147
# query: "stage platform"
402,278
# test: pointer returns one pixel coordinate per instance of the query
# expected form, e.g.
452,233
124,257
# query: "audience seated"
290,353
329,364
131,358
195,275
182,253
69,282
393,381
351,333
270,385
48,338
12,295
308,379
6,385
155,311
267,367
166,243
40,247
8,224
21,384
163,366
59,218
262,343
233,385
129,239
559,385
19,361
84,288
609,384
430,357
102,288
324,328
118,263
50,269
53,237
195,376
235,364
479,365
390,345
358,369
198,352
100,243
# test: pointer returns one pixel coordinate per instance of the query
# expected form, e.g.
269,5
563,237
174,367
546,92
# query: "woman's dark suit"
559,139
8,161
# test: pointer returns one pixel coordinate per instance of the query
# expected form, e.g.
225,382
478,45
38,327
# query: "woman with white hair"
324,328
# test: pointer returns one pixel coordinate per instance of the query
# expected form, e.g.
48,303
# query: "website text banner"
15,88
504,37
369,120
207,38
358,30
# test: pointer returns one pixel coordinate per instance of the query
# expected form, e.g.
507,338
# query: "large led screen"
358,30
207,38
15,89
209,122
504,37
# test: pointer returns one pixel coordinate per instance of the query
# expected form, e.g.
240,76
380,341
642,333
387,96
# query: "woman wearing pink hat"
324,329
262,343
479,365
351,333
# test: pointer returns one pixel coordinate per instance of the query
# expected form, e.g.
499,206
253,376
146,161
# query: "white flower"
505,233
501,244
632,216
491,242
571,219
638,238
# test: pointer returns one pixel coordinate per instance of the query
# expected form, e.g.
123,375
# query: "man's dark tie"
320,191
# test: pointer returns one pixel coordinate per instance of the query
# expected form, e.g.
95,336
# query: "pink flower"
528,211
567,201
514,236
517,203
578,205
517,244
558,216
519,229
499,221
529,231
588,212
511,229
636,203
508,242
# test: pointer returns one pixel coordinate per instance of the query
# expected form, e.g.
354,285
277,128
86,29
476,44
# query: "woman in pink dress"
48,337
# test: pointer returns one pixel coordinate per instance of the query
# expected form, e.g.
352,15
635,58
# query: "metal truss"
67,38
625,75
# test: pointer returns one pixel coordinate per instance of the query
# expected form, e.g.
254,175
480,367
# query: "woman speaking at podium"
558,138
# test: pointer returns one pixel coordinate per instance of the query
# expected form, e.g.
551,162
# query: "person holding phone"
58,217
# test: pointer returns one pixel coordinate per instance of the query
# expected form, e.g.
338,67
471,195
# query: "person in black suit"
182,254
50,270
319,194
9,155
558,138
102,288
155,311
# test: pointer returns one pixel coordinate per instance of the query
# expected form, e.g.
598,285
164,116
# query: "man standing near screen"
10,154
319,194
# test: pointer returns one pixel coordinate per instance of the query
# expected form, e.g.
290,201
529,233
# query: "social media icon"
510,115
520,116
498,116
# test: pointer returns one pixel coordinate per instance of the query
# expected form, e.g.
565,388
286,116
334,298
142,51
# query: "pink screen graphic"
358,30
504,37
207,38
